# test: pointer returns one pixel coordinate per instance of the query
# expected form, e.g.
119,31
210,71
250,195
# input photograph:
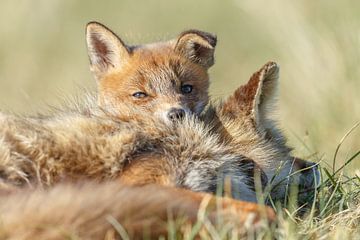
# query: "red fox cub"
125,136
181,160
166,79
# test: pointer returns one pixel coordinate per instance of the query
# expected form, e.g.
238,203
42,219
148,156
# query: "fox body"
148,125
87,142
169,80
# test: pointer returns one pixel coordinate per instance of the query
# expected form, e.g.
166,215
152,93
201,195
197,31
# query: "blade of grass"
337,187
347,162
118,227
341,142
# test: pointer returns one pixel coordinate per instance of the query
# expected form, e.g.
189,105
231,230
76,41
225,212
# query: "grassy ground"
317,44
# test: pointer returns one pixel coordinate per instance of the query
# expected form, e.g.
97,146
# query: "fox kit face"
167,79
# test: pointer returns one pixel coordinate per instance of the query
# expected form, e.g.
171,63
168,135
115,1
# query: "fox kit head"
166,79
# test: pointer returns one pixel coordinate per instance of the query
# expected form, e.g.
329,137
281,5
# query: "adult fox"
147,126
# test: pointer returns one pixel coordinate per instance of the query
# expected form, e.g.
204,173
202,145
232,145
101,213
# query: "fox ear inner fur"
265,97
198,46
105,49
256,98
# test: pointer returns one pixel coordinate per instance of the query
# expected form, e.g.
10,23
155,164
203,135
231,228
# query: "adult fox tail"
113,211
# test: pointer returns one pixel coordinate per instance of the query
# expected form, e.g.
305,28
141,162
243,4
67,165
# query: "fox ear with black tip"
107,52
198,46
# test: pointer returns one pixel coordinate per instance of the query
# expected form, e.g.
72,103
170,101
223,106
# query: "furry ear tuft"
255,98
198,46
105,49
266,95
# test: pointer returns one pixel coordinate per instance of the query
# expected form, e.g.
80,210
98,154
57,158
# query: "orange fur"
157,70
129,141
85,212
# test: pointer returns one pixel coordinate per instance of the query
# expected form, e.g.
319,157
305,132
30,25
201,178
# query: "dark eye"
139,95
186,88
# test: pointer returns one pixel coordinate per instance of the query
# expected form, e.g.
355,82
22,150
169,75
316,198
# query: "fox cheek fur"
168,79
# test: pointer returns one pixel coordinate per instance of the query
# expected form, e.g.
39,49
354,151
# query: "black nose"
176,114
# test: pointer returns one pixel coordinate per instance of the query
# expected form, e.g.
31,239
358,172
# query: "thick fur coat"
233,148
86,142
228,143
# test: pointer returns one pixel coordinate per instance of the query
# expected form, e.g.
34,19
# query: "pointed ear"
106,51
197,46
256,98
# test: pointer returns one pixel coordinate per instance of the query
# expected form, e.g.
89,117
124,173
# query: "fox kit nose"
176,114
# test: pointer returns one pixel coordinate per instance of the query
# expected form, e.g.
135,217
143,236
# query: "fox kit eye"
186,88
139,95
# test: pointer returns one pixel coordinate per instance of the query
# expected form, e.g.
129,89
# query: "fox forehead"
157,68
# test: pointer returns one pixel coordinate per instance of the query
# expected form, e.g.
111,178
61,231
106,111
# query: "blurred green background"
317,43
